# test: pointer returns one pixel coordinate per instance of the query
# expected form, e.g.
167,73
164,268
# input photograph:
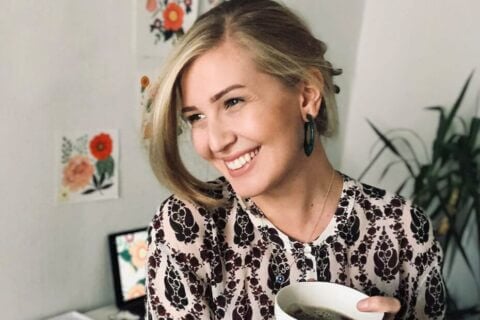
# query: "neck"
296,205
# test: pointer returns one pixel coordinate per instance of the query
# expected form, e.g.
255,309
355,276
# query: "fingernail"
362,304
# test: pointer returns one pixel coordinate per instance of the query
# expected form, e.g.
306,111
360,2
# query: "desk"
110,312
103,313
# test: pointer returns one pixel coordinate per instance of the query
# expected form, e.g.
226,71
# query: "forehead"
219,67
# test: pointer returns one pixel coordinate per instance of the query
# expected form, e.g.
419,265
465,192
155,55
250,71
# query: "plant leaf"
387,168
474,132
88,191
476,202
400,131
167,35
412,151
459,100
422,142
440,129
102,178
125,255
390,146
371,163
107,186
453,233
402,185
105,167
434,213
444,126
464,124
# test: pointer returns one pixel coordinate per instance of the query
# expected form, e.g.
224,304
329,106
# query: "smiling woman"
290,55
244,122
253,84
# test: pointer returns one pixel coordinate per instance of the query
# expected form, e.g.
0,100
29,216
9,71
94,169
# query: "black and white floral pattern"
226,263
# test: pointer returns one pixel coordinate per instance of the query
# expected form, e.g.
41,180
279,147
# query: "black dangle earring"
309,140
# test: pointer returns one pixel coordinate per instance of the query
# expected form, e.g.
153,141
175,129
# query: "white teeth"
237,163
241,161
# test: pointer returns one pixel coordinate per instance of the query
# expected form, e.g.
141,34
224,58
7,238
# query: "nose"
220,135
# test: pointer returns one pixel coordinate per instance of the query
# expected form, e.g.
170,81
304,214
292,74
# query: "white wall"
64,64
412,54
71,65
339,25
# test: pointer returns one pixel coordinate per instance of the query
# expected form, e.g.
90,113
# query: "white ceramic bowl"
332,296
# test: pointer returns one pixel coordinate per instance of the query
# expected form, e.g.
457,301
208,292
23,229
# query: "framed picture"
87,165
128,252
160,23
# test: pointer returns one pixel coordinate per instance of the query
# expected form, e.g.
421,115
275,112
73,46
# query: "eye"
232,102
191,119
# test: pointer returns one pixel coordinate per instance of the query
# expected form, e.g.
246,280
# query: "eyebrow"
215,97
225,91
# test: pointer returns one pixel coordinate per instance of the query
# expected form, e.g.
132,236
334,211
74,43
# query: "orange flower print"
138,252
101,146
144,82
78,173
151,5
173,17
136,291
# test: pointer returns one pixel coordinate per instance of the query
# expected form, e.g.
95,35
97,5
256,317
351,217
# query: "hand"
379,304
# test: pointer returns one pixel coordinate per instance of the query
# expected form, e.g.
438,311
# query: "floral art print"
131,255
161,22
147,91
87,166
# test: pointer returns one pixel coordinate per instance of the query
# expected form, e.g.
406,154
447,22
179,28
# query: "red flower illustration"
173,17
101,146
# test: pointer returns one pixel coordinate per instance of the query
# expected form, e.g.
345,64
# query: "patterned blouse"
230,262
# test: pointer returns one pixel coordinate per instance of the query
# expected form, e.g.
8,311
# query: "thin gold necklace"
323,206
279,278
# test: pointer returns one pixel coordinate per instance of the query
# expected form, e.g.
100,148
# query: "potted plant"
446,186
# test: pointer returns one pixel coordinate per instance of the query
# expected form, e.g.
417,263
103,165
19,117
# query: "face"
245,123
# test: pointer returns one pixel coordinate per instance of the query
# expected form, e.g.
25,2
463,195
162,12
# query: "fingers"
379,304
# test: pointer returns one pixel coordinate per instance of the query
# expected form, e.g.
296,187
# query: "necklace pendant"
279,279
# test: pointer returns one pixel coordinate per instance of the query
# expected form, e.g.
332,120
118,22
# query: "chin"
246,189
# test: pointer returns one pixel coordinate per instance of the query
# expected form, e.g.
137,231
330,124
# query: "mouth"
242,160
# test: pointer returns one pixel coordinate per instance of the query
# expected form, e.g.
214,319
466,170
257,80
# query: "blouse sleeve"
176,277
427,289
431,297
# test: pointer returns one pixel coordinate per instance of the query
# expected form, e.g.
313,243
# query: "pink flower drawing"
138,251
136,291
78,173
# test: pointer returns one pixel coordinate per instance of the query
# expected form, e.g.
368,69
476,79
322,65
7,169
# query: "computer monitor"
128,251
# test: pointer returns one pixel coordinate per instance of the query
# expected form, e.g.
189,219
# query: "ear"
311,92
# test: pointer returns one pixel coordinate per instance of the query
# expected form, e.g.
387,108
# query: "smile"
242,160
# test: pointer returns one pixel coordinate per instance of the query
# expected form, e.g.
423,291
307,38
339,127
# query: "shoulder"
380,202
368,197
392,211
181,224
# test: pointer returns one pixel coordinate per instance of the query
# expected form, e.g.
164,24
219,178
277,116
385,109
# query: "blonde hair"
281,46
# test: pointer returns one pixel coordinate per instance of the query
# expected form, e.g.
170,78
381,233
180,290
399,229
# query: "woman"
257,92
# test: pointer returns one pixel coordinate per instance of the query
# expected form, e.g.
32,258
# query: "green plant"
447,185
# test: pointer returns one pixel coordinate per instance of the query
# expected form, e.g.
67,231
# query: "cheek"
200,143
283,128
